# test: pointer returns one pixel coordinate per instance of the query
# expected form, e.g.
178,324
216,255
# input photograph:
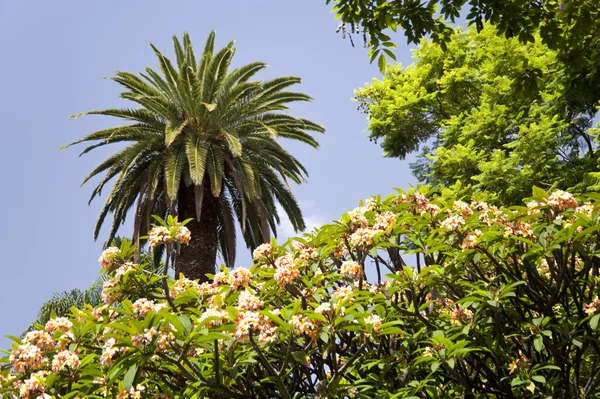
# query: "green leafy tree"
571,26
203,145
498,303
488,116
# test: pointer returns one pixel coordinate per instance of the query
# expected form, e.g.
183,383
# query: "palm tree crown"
203,144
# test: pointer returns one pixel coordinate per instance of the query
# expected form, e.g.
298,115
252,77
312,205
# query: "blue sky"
54,58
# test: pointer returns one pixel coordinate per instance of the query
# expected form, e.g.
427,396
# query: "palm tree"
203,145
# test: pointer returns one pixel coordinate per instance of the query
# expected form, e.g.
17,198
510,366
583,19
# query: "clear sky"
54,57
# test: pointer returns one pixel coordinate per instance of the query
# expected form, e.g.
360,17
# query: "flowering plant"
477,301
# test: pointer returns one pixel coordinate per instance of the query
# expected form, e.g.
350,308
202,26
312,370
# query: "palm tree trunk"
198,258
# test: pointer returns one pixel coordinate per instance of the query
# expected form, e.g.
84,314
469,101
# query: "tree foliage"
489,115
204,144
479,302
570,27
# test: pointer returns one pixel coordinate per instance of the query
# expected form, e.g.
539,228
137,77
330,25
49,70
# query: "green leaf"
186,322
539,378
539,192
196,149
538,343
173,131
594,321
173,170
235,146
382,63
130,376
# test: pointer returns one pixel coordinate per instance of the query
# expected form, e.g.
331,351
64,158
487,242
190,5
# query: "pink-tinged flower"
286,274
246,323
302,325
34,386
453,222
373,321
363,237
39,338
533,207
64,359
591,308
460,316
462,207
27,357
59,324
431,209
159,235
109,295
358,219
562,200
110,352
239,277
323,308
343,293
543,269
305,252
418,199
365,286
252,322
262,251
143,306
124,269
249,301
108,257
370,204
351,269
165,340
144,339
183,235
586,209
220,278
341,252
286,260
385,220
471,240
134,393
217,316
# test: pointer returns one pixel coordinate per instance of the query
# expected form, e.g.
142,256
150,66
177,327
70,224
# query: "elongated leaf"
215,171
196,149
130,377
235,146
173,170
173,131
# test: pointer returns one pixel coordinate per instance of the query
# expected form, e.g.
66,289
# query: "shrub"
478,301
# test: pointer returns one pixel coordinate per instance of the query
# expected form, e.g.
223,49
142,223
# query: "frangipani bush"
403,297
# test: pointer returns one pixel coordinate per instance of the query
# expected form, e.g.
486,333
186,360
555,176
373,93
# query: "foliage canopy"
497,303
490,116
570,27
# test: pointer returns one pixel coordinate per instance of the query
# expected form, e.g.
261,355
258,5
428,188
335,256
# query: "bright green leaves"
485,126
